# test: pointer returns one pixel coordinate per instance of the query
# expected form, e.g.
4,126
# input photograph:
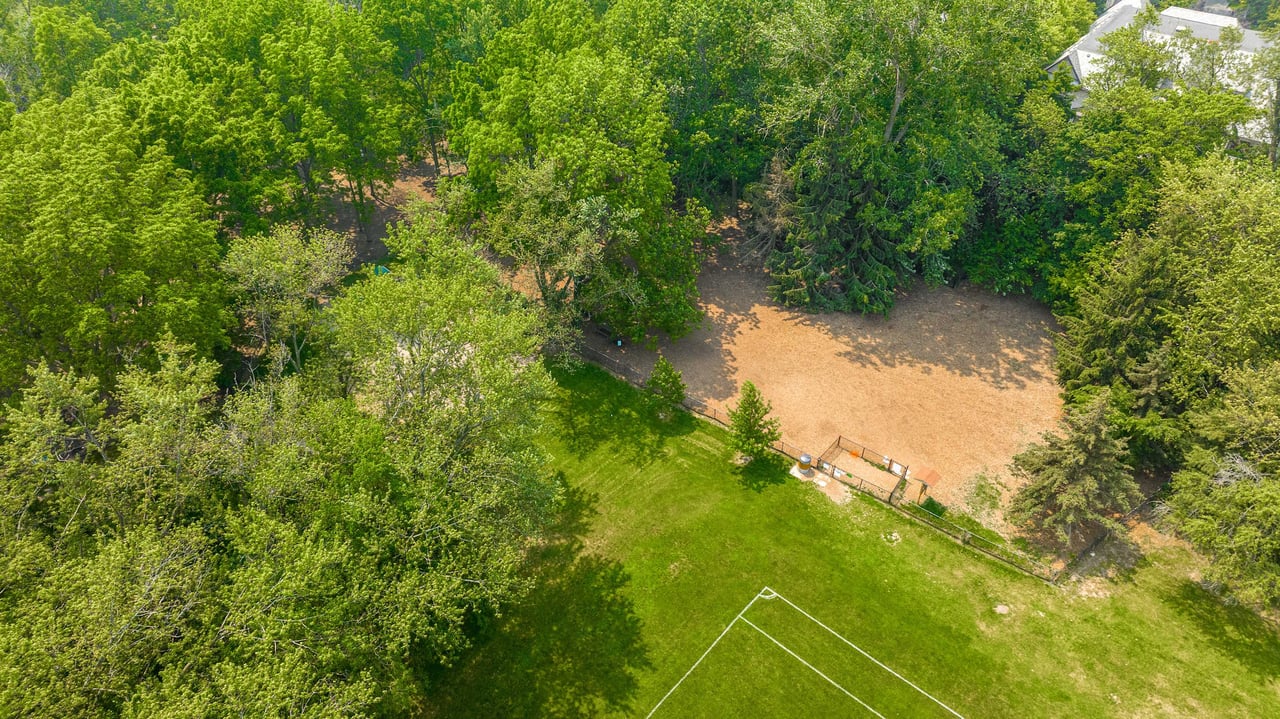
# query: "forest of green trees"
235,480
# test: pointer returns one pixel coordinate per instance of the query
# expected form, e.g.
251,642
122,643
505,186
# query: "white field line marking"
862,652
817,671
708,651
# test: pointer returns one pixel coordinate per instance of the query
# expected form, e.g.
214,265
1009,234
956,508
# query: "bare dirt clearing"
416,181
954,380
957,380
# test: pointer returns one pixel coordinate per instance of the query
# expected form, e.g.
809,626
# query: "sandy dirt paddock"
956,380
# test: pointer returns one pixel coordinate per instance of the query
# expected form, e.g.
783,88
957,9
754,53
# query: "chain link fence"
968,537
696,406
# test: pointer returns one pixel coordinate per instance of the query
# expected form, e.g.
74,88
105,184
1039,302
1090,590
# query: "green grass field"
776,656
663,542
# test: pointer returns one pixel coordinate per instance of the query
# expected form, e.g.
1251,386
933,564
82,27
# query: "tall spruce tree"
1075,477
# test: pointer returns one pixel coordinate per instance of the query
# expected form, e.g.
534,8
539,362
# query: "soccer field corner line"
814,669
863,652
768,593
723,632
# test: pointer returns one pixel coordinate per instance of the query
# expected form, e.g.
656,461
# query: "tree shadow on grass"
569,649
1234,630
612,414
1117,557
764,472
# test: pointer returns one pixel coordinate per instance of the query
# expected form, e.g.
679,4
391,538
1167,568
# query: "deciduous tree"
597,119
104,244
666,384
273,106
66,44
311,543
890,114
279,278
1227,498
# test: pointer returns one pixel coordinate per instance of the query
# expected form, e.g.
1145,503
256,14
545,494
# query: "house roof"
1083,57
1206,26
1084,54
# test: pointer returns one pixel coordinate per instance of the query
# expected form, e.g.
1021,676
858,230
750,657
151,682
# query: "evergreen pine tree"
1076,477
753,429
666,384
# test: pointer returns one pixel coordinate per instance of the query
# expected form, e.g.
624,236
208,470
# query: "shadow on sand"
415,181
966,330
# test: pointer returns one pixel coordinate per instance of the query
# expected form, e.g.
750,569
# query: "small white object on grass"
1002,609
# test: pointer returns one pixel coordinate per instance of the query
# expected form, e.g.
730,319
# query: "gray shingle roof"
1077,56
1206,26
1083,55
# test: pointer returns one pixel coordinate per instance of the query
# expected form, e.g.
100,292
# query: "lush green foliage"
271,105
1227,499
711,58
1075,186
319,524
752,428
430,38
572,250
278,278
104,245
1075,478
666,543
316,542
1174,320
590,122
890,115
666,384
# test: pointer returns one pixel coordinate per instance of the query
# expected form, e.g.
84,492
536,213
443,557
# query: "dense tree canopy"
236,479
710,56
1078,183
1181,325
1227,498
298,550
279,279
272,106
890,116
104,244
593,121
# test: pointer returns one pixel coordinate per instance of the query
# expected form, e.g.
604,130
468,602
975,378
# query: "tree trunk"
1274,150
899,93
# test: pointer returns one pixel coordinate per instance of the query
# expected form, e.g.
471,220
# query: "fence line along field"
954,380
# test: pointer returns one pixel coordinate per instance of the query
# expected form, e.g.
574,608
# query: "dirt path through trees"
958,380
416,180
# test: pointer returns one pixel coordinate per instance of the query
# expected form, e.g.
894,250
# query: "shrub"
666,384
753,429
